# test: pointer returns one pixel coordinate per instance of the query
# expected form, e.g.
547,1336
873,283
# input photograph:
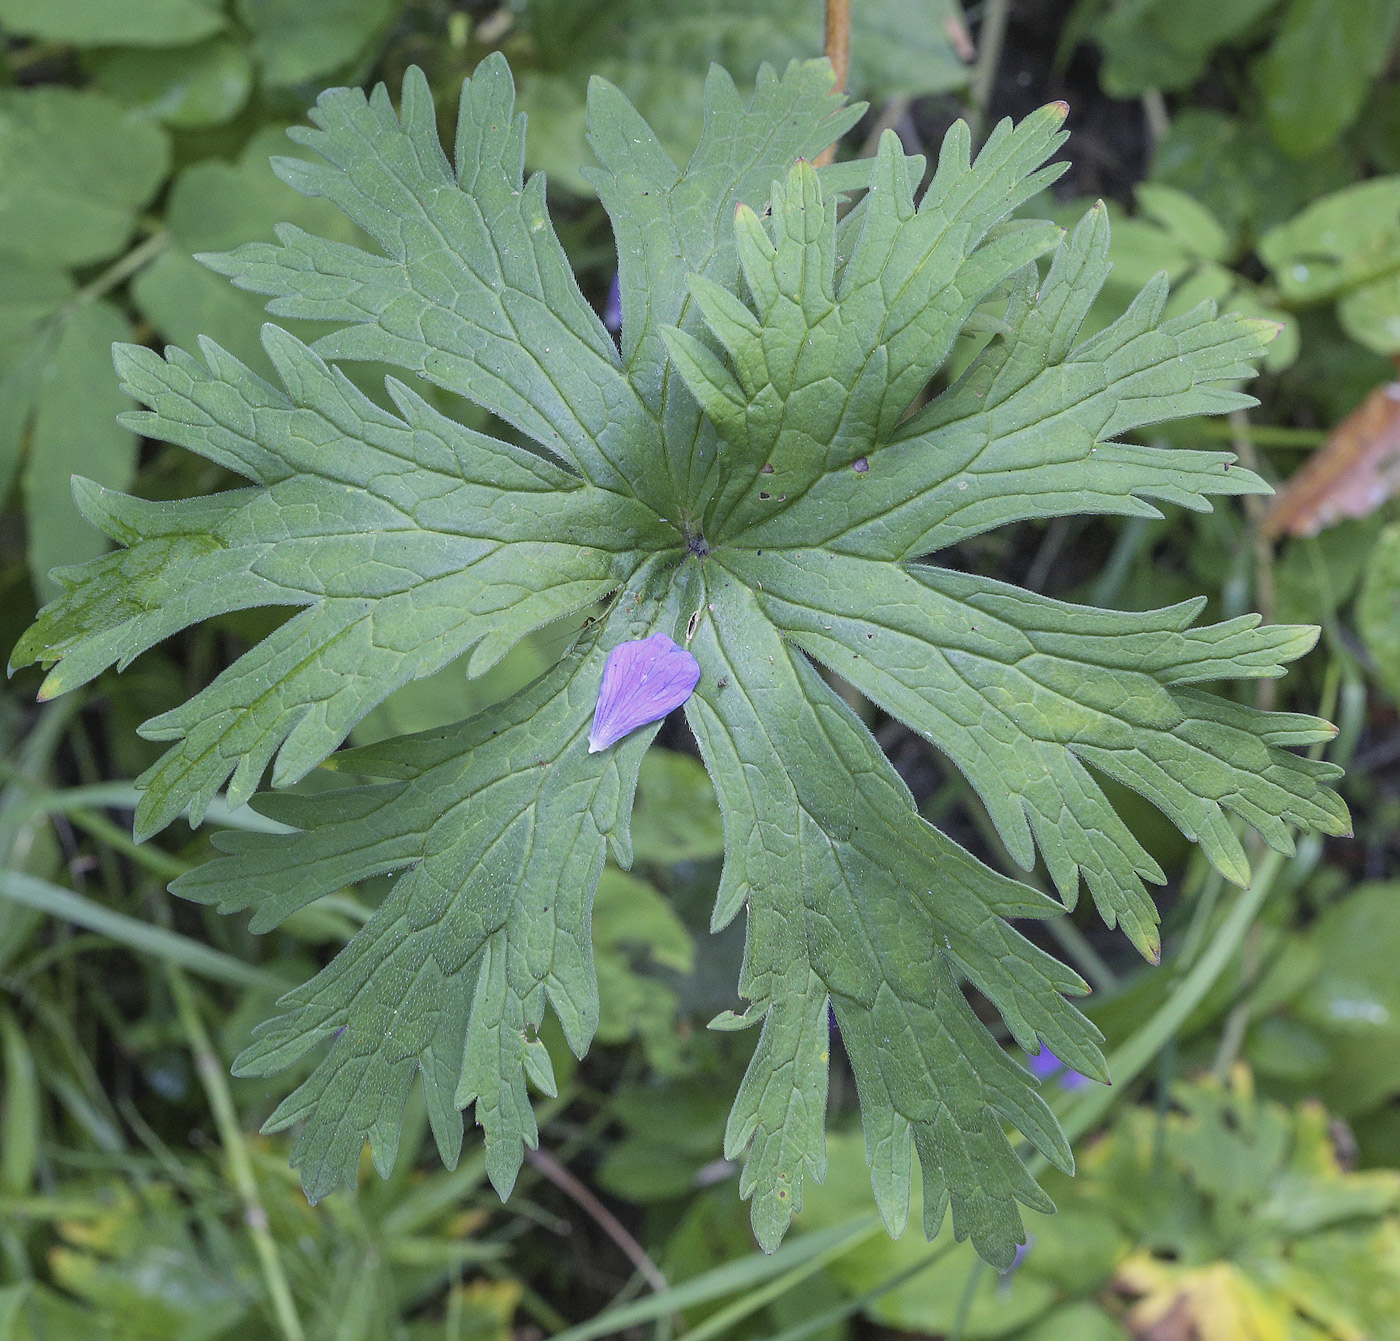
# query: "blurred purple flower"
642,681
1047,1065
1004,1284
612,308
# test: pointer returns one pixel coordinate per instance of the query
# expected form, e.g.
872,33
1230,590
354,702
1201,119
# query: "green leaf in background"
1378,610
75,435
1347,238
669,1133
1165,44
1174,234
658,53
296,42
634,927
1320,66
676,816
1077,1322
1233,167
75,167
103,23
30,295
1072,1252
1370,314
141,1262
1247,1222
1345,246
1353,1003
1185,220
213,206
184,87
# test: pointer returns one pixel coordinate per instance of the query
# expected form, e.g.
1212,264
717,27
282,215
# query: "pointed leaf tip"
643,680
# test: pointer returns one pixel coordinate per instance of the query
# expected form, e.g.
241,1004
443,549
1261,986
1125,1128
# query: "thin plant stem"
838,52
1206,901
990,37
1127,1062
17,824
1264,587
1231,1040
758,1273
570,1186
1051,545
123,268
211,1075
838,39
1263,435
850,1307
159,863
1154,110
719,1324
969,1294
1086,959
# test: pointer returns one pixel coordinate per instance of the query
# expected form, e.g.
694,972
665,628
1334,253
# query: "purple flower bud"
642,681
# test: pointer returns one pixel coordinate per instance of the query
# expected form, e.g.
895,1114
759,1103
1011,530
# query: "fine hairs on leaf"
746,482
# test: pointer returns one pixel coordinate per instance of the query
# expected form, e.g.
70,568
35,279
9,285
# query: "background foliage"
1239,1177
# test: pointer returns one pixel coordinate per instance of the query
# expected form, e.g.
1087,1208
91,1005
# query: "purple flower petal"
612,309
1004,1284
642,681
1045,1065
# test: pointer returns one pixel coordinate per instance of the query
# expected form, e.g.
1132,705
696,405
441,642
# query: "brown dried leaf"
1349,476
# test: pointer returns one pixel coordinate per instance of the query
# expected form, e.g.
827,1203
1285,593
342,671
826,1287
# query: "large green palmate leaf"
742,475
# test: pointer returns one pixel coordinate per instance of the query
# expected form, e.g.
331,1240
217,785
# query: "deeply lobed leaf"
1028,430
500,826
744,475
852,898
409,541
1026,694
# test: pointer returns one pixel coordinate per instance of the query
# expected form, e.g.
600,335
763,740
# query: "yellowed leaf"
1217,1302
